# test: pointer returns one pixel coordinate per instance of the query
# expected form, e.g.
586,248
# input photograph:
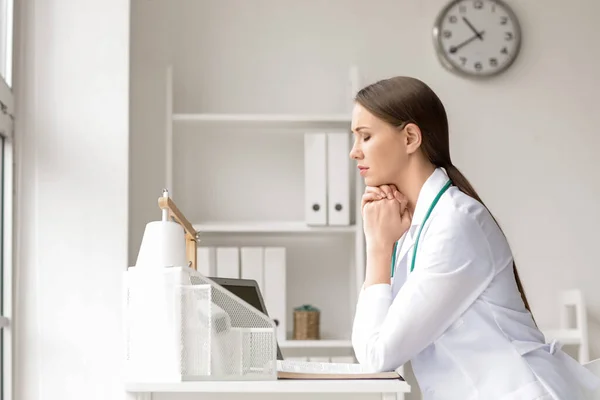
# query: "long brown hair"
401,100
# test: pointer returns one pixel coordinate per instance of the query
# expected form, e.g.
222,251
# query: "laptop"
248,290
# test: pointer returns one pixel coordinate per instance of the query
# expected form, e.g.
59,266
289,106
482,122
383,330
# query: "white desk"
389,389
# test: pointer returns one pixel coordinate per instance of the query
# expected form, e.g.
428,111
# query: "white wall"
72,91
72,127
527,140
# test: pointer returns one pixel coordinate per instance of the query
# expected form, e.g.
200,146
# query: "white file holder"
338,178
315,178
182,326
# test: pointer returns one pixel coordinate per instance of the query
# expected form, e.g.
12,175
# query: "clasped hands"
386,216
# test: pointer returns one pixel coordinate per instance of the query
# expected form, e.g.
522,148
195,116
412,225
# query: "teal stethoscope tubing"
431,207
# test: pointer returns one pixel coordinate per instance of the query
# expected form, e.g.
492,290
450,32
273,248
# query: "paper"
322,370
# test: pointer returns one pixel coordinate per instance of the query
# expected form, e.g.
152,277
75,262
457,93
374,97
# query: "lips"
362,169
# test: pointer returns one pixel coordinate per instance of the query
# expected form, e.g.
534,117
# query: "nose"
356,153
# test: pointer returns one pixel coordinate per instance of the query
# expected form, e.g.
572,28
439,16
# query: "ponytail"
459,180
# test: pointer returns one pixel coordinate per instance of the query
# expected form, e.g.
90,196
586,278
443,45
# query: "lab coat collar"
430,189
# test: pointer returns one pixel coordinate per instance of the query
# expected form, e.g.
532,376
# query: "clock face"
477,37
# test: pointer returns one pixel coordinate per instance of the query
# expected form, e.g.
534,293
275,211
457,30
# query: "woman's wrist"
378,248
379,259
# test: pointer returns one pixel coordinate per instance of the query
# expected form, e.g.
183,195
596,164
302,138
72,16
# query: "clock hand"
477,34
454,49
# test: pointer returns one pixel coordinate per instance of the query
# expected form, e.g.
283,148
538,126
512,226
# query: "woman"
441,288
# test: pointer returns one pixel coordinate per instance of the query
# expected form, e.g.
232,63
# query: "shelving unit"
264,118
233,228
270,227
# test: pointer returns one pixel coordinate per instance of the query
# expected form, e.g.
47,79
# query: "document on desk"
333,371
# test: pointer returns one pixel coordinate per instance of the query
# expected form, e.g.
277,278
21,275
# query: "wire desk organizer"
182,326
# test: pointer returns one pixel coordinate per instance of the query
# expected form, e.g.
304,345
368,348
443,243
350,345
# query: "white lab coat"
459,317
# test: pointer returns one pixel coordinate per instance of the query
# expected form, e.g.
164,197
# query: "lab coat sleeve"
454,266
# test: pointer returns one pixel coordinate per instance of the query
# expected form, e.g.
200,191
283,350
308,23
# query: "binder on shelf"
315,178
252,265
338,178
228,262
275,285
207,260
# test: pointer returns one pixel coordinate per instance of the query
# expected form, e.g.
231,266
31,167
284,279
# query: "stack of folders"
265,265
327,178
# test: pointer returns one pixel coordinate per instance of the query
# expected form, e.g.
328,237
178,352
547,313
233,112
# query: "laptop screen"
247,290
248,294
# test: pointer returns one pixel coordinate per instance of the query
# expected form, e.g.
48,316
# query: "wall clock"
477,38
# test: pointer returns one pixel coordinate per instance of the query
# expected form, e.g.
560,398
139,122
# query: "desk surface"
279,386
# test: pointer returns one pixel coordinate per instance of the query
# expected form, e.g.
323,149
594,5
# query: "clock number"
503,20
478,66
463,60
453,19
493,62
447,34
478,4
508,36
504,50
462,9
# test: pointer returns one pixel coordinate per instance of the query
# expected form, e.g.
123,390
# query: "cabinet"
240,179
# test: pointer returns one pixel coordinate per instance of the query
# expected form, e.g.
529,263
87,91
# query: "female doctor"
441,289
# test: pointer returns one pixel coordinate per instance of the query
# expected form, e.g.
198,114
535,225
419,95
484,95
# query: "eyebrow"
360,128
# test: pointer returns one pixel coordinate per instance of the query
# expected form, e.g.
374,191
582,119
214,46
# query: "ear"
412,137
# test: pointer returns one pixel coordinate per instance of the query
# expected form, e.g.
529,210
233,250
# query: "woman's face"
379,149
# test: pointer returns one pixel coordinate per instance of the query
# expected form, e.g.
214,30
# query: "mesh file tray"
181,326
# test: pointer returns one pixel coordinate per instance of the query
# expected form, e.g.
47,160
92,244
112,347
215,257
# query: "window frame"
7,193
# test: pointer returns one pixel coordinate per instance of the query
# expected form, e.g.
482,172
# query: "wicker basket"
306,323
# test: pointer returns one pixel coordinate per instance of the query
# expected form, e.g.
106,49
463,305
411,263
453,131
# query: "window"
6,196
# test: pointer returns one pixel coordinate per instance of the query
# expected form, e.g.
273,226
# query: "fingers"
376,190
368,197
384,191
387,189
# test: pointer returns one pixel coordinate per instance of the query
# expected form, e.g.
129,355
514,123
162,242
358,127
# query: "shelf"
314,344
264,118
270,227
275,386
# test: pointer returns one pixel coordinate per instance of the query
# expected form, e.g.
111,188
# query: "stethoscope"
431,207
